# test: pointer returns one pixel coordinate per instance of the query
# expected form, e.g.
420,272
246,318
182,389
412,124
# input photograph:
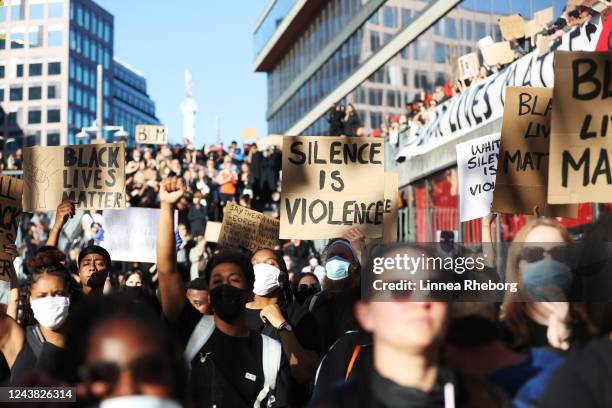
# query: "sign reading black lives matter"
581,135
331,184
11,190
93,175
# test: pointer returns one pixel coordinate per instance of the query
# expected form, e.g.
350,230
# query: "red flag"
605,39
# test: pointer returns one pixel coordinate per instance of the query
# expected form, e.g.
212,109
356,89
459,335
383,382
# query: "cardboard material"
522,173
512,27
246,228
151,134
581,135
469,65
498,53
543,44
390,217
130,235
11,190
94,175
543,17
532,28
249,135
330,185
476,168
213,229
483,43
271,140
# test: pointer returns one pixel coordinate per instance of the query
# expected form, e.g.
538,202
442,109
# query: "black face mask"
227,302
133,291
302,294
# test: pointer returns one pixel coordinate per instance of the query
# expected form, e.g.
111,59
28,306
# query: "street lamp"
94,129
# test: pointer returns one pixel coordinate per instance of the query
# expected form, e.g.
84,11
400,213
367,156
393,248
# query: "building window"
389,16
481,30
440,53
406,16
19,70
32,140
55,68
34,116
1,94
34,37
16,11
53,91
3,13
13,118
71,93
80,15
17,38
2,38
54,37
16,94
36,69
438,27
2,71
37,9
56,8
53,116
450,27
53,139
374,41
375,120
34,93
374,18
468,30
375,97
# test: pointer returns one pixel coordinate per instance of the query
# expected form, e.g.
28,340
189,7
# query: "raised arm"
13,304
487,240
171,290
64,212
12,338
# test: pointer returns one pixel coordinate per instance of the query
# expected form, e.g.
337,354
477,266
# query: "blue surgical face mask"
337,268
546,273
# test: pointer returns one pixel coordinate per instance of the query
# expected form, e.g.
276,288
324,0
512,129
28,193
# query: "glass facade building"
49,52
131,103
345,34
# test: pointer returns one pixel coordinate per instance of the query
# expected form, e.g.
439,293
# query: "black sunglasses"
532,254
304,286
144,370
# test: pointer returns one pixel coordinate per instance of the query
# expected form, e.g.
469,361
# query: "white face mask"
139,401
51,311
266,279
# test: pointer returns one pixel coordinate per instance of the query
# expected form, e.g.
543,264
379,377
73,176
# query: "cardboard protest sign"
331,184
130,235
11,190
498,53
522,173
483,43
512,27
581,134
151,134
543,44
532,28
94,175
476,167
543,17
390,220
469,65
269,141
249,135
246,228
213,229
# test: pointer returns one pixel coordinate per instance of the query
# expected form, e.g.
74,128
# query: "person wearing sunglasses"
538,313
39,346
305,285
230,364
126,357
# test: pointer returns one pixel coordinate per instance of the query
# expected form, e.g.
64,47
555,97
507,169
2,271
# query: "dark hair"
232,256
197,284
96,310
342,285
298,277
45,256
95,249
36,272
286,290
472,331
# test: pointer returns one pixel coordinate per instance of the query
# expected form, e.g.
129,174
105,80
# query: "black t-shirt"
334,315
583,380
228,370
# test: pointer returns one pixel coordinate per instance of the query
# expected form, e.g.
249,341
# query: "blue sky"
214,39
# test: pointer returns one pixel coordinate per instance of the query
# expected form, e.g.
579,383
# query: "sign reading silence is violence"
581,129
11,190
331,184
522,172
93,175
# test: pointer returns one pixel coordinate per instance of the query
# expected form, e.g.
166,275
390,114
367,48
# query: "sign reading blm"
93,175
331,184
11,190
522,173
151,134
581,130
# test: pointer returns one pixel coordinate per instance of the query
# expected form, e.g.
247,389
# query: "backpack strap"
313,301
200,335
35,339
272,353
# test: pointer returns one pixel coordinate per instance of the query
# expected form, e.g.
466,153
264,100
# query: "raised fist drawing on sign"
38,180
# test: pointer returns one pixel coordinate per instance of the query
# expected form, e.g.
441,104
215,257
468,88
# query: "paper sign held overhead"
522,173
543,44
151,134
11,190
532,28
249,135
469,65
213,229
93,175
543,17
512,27
498,53
248,229
581,135
476,167
330,185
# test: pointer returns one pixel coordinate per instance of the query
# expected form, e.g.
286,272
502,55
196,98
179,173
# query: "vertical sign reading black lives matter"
93,175
331,184
581,134
11,190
